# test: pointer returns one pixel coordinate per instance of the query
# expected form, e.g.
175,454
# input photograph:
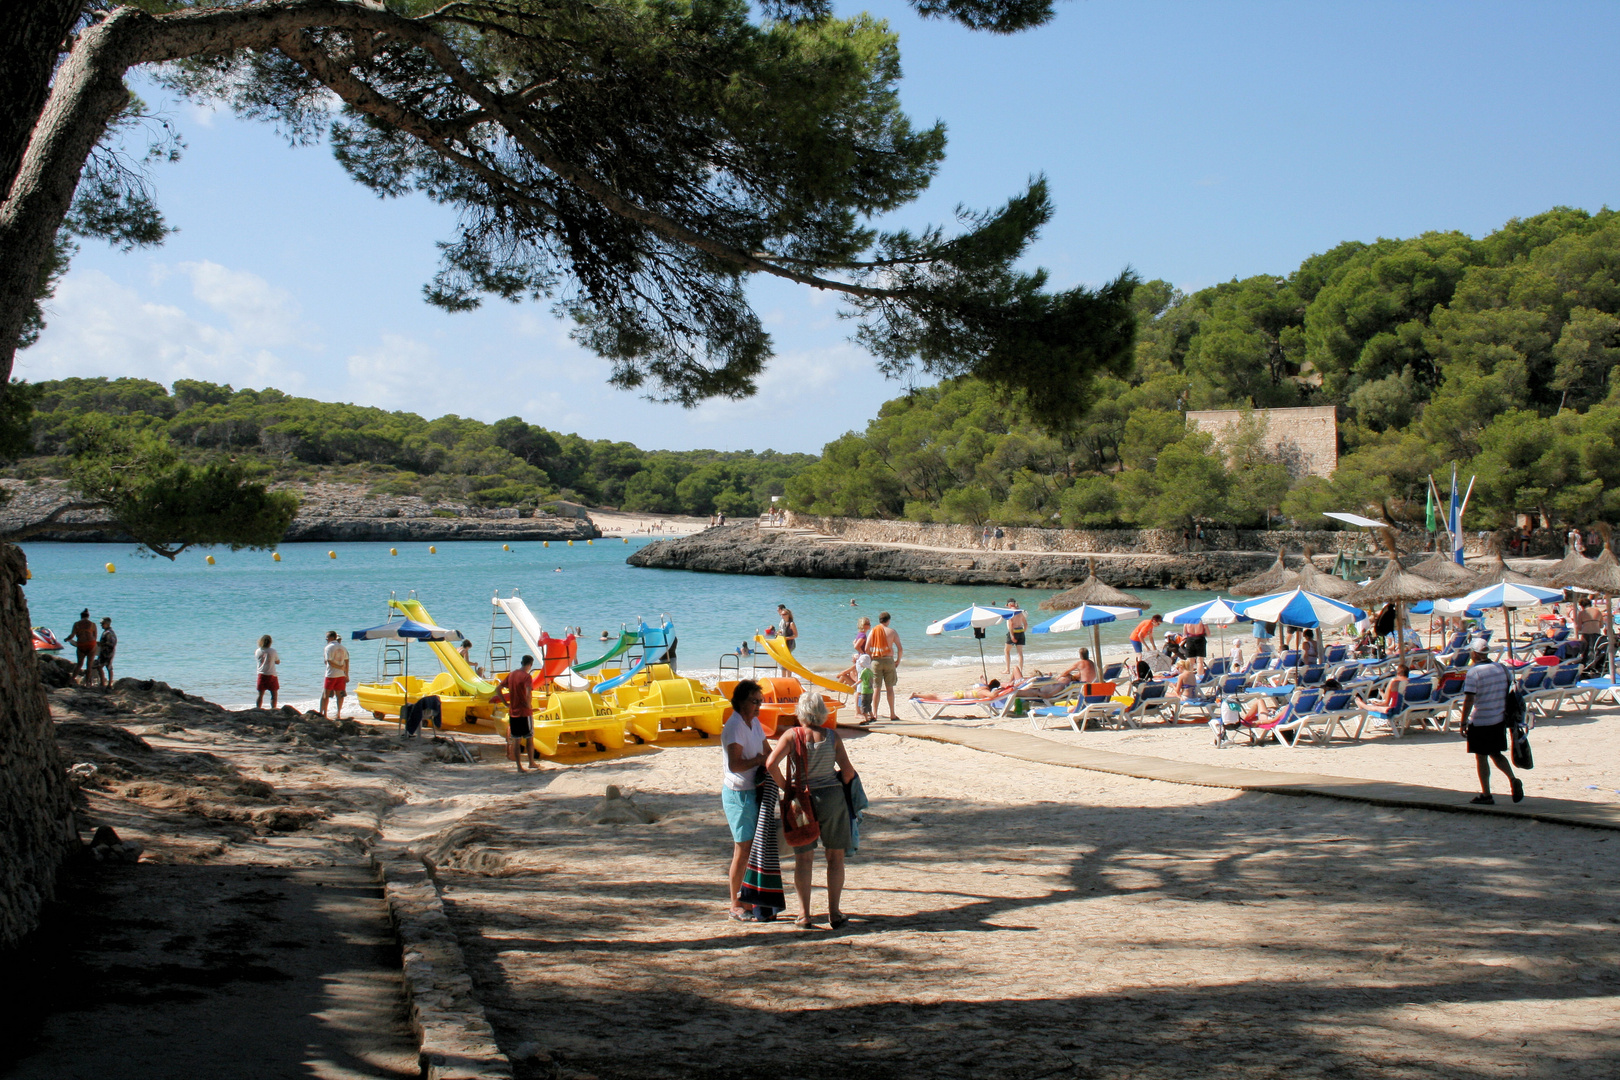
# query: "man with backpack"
1485,721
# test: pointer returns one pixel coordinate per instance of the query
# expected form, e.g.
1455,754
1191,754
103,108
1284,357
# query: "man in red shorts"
337,673
516,693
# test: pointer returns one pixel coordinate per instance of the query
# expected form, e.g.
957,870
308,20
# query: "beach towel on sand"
762,878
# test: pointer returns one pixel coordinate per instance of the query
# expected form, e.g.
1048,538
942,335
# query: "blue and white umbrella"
1507,596
405,630
1082,616
1300,608
1216,612
976,617
1092,615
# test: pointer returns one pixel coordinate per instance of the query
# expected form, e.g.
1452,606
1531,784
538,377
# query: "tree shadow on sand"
1249,935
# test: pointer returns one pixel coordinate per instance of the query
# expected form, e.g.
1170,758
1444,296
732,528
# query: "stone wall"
1101,541
36,811
1090,541
1305,440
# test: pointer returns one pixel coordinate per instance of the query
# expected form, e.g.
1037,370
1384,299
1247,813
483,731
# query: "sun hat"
1478,645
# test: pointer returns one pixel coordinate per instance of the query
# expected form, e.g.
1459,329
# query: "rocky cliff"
36,814
749,549
328,512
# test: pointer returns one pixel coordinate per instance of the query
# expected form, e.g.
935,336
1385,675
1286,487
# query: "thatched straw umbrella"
1399,586
1439,567
1602,576
1314,581
1498,572
1094,591
1572,560
1278,578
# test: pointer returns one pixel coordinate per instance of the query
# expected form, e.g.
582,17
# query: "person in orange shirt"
1142,636
883,646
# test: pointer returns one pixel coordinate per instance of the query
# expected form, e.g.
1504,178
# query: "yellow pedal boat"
675,704
574,718
456,709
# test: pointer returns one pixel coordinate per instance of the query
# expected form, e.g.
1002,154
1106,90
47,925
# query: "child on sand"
863,675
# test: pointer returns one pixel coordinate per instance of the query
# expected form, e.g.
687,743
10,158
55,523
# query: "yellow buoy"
506,547
393,551
111,569
589,543
626,539
275,556
570,543
545,543
30,575
331,554
432,550
210,560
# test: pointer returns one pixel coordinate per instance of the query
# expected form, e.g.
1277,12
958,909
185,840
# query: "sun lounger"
1331,713
1557,686
1095,709
934,706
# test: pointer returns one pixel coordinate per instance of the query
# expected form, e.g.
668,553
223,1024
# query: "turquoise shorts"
742,813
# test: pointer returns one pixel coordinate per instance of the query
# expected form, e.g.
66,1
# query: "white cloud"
97,326
402,373
256,309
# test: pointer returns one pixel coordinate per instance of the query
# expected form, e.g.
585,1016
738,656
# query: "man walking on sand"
1017,627
337,673
883,646
1484,711
516,692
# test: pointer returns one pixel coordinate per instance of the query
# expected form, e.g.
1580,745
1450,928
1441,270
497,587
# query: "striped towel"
762,880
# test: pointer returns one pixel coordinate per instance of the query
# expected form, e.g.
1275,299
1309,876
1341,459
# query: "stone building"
1305,440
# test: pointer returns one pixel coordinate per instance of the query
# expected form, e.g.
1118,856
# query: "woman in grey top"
827,765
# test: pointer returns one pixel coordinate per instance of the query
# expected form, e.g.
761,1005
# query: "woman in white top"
742,741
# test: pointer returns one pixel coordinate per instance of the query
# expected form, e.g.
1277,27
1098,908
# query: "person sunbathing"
1393,692
1185,683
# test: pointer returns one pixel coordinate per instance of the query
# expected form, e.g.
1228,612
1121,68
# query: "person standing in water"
268,660
105,648
336,683
789,630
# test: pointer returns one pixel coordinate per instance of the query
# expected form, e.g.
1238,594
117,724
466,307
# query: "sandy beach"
622,523
1009,918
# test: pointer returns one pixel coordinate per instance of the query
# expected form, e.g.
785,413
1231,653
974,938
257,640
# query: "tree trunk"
36,811
34,31
88,93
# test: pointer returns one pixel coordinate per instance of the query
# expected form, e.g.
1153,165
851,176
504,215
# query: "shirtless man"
1017,627
83,636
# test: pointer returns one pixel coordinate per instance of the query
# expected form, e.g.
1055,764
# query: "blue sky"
1193,142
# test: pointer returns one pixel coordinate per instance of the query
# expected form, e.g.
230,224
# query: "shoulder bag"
799,822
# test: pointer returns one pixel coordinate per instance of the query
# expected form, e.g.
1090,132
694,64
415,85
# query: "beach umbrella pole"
1096,651
982,668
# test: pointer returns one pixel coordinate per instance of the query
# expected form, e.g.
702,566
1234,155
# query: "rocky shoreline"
327,512
749,549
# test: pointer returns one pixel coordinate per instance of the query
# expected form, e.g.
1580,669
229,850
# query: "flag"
1428,508
1454,521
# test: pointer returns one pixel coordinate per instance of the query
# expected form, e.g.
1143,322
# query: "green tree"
634,164
167,504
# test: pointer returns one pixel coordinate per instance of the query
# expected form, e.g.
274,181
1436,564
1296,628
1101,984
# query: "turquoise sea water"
195,626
